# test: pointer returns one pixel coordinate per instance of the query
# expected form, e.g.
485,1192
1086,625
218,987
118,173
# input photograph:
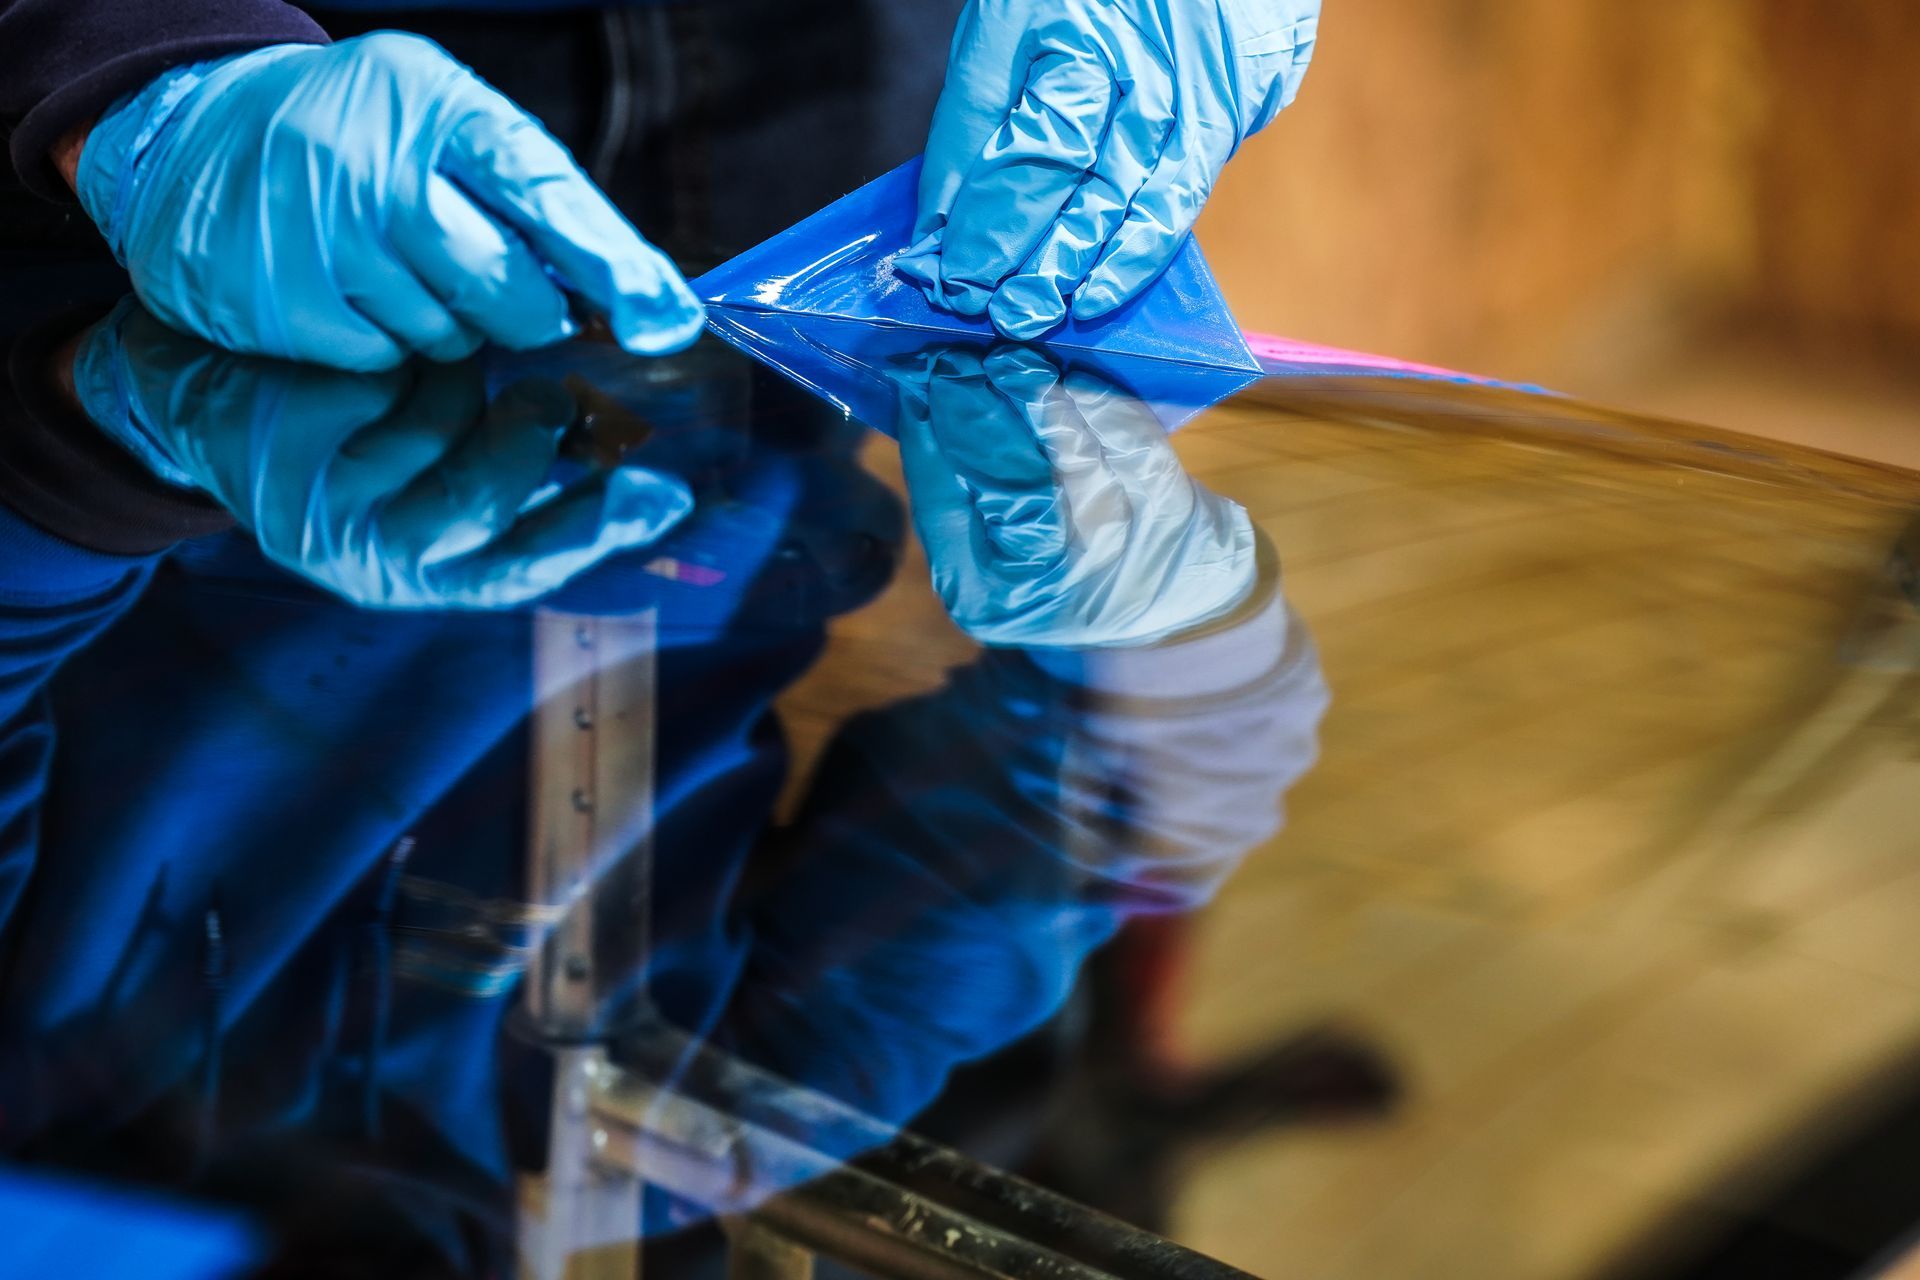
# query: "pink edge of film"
1269,346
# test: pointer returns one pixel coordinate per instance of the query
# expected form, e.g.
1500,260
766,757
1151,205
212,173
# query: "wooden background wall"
1559,189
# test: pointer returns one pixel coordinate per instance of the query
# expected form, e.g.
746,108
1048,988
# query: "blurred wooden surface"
1577,191
1611,850
1611,846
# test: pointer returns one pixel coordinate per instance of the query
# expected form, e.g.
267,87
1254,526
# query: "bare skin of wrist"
66,152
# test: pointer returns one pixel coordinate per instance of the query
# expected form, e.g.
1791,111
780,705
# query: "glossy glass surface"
934,779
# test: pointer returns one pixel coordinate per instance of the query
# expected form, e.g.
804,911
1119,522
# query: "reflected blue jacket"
55,598
214,937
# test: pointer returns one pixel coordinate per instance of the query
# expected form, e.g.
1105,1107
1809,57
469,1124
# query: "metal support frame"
651,1105
592,779
592,811
722,1133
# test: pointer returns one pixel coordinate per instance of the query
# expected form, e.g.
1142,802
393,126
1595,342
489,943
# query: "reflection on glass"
851,364
281,968
412,488
1052,507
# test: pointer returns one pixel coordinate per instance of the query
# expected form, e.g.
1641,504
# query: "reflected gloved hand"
1076,140
401,489
959,854
1053,509
353,204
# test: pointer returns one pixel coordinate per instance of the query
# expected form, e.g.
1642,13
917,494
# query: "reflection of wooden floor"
1613,847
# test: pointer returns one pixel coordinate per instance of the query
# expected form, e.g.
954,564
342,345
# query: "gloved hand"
400,489
352,204
1053,510
1076,140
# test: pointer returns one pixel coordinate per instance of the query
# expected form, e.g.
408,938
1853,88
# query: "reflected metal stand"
644,1104
592,804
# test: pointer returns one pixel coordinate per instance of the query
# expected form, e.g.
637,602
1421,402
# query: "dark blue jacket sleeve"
54,598
64,61
80,529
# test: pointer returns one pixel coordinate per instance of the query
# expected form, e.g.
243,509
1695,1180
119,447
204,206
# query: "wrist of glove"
107,178
103,383
1273,42
356,203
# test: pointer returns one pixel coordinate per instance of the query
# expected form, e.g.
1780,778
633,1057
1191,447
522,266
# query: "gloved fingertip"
365,359
1025,309
519,336
1095,300
658,334
652,502
453,347
670,492
650,308
561,330
1025,328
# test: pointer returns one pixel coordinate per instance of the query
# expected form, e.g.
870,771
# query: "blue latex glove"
1053,509
352,204
1076,140
401,489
